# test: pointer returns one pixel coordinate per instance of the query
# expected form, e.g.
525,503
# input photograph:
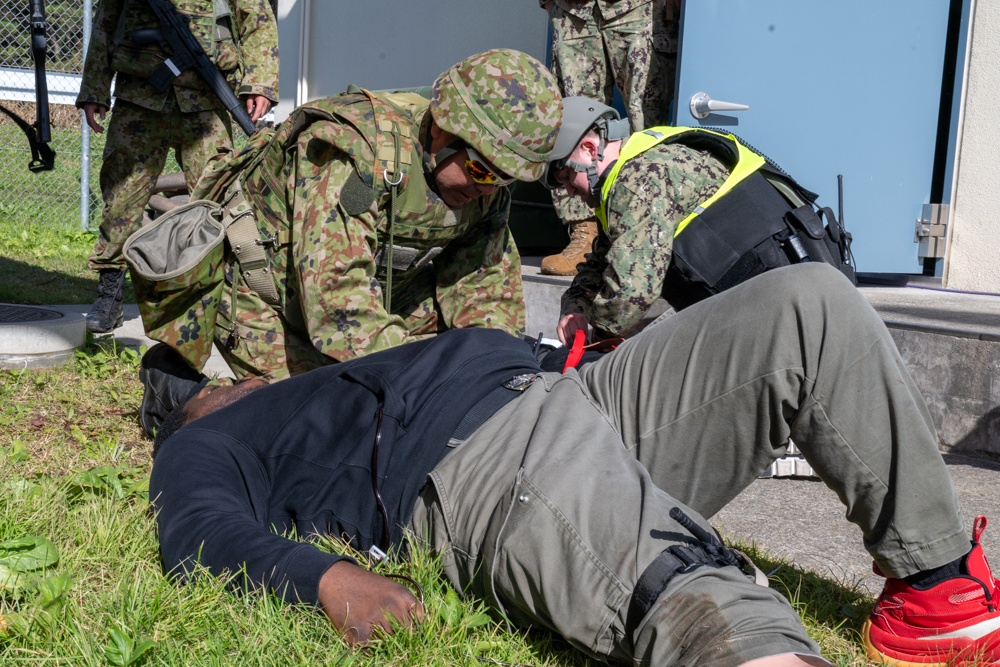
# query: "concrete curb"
40,338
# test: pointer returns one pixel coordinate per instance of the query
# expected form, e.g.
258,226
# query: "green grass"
43,244
45,265
74,469
74,466
47,197
43,247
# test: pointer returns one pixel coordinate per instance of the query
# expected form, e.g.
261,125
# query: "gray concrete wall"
959,378
393,43
973,262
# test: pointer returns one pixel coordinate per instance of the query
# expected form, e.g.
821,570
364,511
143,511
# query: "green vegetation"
42,264
47,197
43,250
80,578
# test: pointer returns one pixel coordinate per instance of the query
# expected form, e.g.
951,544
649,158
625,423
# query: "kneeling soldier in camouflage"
368,220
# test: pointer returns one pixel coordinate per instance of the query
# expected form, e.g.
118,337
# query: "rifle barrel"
187,52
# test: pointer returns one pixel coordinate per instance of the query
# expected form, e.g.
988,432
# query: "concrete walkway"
801,520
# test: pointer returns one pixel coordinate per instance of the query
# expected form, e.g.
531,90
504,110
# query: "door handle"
702,105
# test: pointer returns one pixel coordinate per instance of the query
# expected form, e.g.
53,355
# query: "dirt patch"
61,116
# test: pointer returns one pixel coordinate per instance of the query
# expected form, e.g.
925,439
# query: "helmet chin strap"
593,178
607,129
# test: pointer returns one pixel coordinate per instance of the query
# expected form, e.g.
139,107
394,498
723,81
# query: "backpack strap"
247,245
394,163
390,166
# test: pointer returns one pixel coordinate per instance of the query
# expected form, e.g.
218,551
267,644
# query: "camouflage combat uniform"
323,198
597,44
625,273
146,123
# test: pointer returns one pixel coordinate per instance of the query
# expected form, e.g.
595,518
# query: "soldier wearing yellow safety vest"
685,213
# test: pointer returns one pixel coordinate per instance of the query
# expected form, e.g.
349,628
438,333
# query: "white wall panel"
394,43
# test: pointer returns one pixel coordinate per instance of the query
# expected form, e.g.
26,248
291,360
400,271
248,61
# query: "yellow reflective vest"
747,163
723,245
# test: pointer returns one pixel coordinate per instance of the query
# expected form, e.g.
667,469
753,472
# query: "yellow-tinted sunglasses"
481,172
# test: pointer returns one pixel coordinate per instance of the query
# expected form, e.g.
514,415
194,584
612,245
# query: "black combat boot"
106,313
168,382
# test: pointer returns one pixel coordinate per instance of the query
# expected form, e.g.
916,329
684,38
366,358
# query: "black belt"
489,405
677,559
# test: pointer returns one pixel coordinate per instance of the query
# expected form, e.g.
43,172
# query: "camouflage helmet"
503,103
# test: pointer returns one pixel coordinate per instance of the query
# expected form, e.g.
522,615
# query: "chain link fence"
50,197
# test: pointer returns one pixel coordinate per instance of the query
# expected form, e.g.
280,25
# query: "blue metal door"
851,87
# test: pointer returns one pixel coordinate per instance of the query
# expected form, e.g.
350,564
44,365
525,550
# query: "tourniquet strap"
674,560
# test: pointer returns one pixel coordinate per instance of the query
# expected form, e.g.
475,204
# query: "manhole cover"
34,337
23,314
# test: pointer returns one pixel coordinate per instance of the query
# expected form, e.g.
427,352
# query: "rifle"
174,37
43,158
39,47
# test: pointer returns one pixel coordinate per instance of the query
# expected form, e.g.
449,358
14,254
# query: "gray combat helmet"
580,114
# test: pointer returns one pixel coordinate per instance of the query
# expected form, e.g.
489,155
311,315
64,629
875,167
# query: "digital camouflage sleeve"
624,276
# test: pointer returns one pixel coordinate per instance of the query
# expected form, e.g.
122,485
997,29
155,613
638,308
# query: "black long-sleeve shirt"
299,454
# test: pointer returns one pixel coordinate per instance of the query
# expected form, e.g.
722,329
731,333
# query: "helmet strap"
597,184
591,170
593,178
608,129
619,130
432,161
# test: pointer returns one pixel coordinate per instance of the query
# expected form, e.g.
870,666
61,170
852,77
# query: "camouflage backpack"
179,262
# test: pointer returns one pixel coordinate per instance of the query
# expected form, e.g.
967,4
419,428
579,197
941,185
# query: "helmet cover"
506,105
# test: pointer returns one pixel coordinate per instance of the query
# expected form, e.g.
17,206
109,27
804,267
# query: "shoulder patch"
356,197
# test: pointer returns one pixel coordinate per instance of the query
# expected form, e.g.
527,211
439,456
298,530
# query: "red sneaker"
956,622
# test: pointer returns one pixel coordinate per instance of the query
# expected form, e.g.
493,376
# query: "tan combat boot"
581,239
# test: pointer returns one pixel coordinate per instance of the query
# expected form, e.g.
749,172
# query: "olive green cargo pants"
556,505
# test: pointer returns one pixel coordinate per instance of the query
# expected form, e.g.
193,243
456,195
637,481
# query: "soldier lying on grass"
560,500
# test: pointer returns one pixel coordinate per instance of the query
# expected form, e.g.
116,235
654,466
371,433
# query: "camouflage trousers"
135,152
257,339
636,51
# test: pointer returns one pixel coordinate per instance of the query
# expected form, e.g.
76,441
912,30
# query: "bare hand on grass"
362,604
